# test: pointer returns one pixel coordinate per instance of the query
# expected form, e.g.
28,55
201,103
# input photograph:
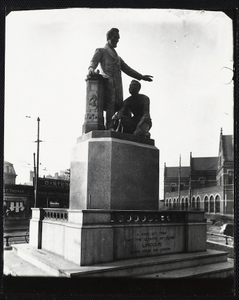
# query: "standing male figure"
138,105
112,65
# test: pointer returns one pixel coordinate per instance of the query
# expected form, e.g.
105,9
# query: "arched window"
211,204
186,202
217,202
206,204
166,202
170,202
193,202
198,203
182,203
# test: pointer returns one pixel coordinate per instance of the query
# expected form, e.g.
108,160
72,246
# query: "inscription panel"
148,241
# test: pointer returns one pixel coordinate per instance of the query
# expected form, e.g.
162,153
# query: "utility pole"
164,184
34,181
38,150
36,167
179,178
190,180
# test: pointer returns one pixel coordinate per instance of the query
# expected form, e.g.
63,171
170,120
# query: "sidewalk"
16,266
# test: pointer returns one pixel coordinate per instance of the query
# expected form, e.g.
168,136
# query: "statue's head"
113,37
134,87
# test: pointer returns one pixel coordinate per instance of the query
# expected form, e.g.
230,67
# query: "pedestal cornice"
113,134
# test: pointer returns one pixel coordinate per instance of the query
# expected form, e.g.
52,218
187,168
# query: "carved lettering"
150,239
165,249
151,245
149,242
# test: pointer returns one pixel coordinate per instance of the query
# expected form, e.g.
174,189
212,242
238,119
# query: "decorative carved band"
147,217
124,217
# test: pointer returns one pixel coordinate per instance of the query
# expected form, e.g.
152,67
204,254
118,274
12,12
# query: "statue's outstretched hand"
147,77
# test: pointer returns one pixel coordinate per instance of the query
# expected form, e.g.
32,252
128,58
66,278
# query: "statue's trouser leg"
129,126
144,128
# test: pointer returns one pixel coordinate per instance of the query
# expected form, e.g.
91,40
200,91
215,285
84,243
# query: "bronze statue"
138,105
112,65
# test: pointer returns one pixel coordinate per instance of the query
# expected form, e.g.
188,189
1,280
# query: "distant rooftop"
204,163
173,171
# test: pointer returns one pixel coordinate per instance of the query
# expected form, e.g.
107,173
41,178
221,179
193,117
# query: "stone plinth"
112,170
35,234
88,237
94,103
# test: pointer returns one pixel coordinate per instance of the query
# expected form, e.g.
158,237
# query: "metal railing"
223,236
8,237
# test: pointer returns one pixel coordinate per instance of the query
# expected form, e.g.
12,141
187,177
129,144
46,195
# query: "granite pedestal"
113,211
112,170
92,236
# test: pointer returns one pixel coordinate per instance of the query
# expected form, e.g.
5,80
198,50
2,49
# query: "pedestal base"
90,237
112,170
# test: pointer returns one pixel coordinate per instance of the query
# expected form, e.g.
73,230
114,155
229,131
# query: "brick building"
206,184
18,199
9,174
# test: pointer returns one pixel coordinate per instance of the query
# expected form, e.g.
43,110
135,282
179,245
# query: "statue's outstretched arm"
129,71
132,73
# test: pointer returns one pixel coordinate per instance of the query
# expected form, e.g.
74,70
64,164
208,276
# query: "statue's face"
113,41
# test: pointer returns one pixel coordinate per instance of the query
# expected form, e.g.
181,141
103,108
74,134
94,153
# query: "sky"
189,53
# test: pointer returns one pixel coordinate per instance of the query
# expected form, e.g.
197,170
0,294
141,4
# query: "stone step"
16,266
216,270
55,265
